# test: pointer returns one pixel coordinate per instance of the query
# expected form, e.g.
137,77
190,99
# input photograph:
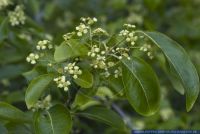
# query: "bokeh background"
179,19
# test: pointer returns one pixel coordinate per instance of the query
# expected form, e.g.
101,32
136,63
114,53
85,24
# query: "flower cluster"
43,104
41,45
4,3
118,72
25,36
94,51
68,36
99,57
32,58
100,31
129,26
62,83
17,16
147,48
100,62
44,44
122,52
88,20
74,70
129,36
82,29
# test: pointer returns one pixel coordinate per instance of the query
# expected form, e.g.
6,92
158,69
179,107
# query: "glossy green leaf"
85,80
68,50
141,86
182,64
170,72
36,88
11,113
55,121
104,115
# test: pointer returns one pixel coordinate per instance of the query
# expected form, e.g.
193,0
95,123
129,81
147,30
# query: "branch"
126,119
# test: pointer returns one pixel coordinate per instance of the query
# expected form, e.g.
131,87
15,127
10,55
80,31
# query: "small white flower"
74,70
32,58
95,19
99,31
66,89
93,55
97,50
17,16
75,76
132,43
43,44
4,3
118,72
71,71
129,35
62,83
68,36
129,26
103,52
120,57
128,39
81,29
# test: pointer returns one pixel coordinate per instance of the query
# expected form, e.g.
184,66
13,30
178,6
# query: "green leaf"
35,72
3,129
116,85
153,4
68,50
11,113
12,70
15,96
4,29
104,92
85,80
55,121
141,86
104,115
17,128
36,88
182,64
112,40
169,71
82,101
14,55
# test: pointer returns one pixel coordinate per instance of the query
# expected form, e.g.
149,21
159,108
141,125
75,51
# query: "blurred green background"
179,19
